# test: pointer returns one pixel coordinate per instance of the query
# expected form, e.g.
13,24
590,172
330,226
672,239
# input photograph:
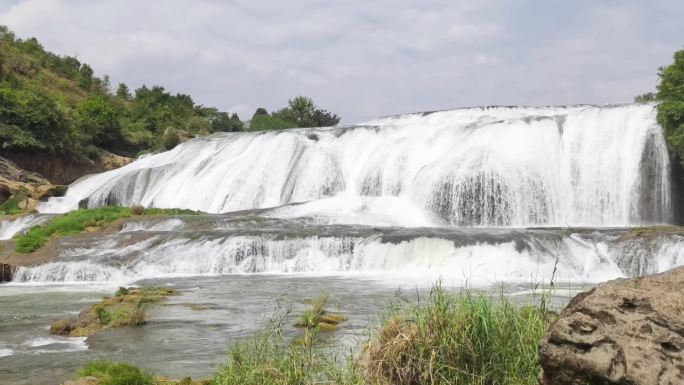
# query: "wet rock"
623,332
6,272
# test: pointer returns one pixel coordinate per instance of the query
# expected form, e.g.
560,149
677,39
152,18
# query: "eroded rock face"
627,331
31,186
6,272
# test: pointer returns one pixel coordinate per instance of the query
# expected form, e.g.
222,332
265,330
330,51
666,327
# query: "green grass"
268,358
116,373
465,339
78,221
11,205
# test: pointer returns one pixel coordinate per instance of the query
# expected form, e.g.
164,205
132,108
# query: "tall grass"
464,339
269,358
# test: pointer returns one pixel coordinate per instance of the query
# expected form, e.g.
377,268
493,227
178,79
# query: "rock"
6,272
623,332
62,327
89,380
26,187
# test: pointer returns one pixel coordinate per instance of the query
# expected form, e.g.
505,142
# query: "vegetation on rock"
126,308
78,221
317,317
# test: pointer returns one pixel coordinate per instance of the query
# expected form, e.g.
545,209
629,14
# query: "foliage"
56,104
457,339
12,205
75,222
300,112
116,373
645,98
670,97
303,113
267,122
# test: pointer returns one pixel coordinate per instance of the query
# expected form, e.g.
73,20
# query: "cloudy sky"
363,59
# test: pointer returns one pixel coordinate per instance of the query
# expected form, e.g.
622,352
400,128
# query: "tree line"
56,104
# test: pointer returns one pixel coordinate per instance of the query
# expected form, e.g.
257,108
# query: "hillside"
54,108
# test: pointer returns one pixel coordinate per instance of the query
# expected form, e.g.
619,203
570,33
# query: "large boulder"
623,332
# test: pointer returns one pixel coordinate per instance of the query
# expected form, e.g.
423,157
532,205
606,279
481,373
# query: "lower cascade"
172,247
491,167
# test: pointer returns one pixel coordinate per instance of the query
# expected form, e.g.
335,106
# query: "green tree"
98,121
123,92
302,111
85,77
268,122
670,97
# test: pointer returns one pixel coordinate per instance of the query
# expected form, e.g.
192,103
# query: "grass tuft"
465,338
116,373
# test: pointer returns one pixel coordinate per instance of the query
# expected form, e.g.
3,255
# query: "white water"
582,165
11,227
479,258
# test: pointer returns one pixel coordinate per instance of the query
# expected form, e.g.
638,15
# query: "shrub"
116,373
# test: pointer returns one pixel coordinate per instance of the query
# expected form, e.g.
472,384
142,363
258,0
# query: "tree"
85,77
670,97
302,112
222,121
645,98
123,92
98,121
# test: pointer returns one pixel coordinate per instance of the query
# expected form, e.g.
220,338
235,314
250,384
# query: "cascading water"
12,227
422,195
582,165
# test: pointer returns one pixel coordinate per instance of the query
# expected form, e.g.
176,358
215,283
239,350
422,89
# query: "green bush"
116,373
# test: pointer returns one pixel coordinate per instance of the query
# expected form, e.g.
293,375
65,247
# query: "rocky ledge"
623,332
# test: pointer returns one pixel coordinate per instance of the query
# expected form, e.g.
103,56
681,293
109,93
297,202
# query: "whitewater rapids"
488,167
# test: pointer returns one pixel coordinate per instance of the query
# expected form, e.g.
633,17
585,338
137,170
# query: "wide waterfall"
494,166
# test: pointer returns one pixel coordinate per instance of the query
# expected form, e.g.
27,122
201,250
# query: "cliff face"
24,187
64,169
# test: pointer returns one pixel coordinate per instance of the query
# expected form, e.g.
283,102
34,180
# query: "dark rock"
6,272
623,332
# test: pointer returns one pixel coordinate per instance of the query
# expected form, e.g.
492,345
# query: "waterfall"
491,167
480,256
11,227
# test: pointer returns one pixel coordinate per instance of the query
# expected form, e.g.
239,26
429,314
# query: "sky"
363,59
